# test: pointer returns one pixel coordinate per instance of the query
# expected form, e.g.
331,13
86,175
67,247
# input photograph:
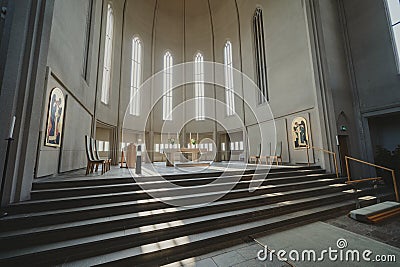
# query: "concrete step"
159,253
203,178
157,207
160,180
150,246
84,228
239,181
84,223
88,200
376,213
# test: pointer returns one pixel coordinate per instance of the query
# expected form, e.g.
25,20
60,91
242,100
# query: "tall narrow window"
167,87
85,65
199,86
105,89
394,12
260,57
136,76
229,90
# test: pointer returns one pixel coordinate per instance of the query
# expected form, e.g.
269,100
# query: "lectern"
131,156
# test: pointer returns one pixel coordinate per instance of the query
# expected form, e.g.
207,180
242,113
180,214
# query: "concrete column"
22,91
325,107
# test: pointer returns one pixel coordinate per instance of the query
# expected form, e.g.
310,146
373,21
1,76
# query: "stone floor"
244,255
387,231
381,238
320,236
159,168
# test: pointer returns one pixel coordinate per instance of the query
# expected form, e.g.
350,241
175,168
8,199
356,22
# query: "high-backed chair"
107,161
278,154
256,158
267,157
92,163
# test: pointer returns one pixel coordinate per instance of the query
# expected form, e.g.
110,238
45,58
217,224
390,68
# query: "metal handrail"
347,158
325,151
364,180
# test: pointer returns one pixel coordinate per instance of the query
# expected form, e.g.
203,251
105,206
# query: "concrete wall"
139,17
108,113
290,71
24,48
376,80
77,123
384,132
337,73
337,79
67,48
184,28
373,56
226,28
65,61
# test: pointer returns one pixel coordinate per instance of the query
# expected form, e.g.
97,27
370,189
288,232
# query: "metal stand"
3,179
138,169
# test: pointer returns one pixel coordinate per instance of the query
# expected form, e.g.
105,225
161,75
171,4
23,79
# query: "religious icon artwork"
55,118
300,133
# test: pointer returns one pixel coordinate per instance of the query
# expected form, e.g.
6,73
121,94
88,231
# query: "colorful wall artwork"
300,133
55,118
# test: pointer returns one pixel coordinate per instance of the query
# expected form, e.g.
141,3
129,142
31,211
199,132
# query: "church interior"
198,132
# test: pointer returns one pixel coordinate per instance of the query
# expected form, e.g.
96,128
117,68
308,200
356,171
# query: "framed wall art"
300,133
55,118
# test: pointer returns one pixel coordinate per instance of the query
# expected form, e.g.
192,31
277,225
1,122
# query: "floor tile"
228,259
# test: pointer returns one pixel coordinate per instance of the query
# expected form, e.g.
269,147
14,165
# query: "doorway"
343,151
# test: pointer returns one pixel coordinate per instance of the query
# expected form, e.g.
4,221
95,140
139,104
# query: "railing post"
395,185
347,168
336,165
376,166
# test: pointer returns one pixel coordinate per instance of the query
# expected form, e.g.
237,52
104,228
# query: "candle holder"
171,141
193,142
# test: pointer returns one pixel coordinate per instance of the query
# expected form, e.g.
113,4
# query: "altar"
170,154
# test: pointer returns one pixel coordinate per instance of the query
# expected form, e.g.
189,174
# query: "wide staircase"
113,221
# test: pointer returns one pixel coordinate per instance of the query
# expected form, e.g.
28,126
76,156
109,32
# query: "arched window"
394,14
260,56
136,76
199,86
229,90
108,50
167,87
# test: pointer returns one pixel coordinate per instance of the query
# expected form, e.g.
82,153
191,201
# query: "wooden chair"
92,163
266,158
107,162
278,154
256,158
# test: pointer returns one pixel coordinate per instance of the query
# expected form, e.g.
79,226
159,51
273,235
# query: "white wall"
65,62
185,28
